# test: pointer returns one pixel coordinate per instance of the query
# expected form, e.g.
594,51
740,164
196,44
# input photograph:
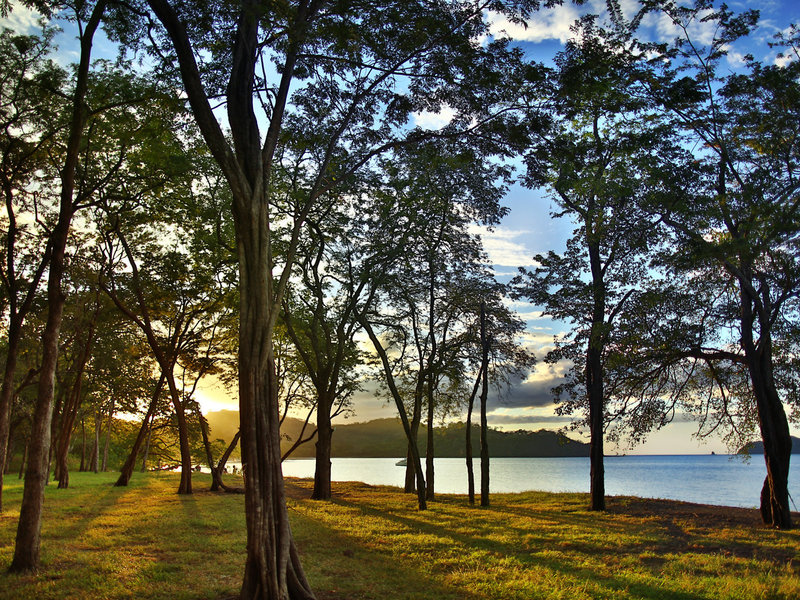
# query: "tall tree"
355,73
603,160
26,549
741,231
31,117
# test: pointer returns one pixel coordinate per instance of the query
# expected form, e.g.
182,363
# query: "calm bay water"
706,479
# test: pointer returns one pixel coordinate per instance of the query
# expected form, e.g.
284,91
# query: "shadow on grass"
592,542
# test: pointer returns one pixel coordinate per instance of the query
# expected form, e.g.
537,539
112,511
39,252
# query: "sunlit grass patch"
370,542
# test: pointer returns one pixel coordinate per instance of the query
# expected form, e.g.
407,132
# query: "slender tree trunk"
431,376
401,410
9,453
127,469
6,396
109,423
23,461
416,419
216,476
594,377
185,486
98,423
429,450
55,429
484,398
223,461
468,449
71,405
146,453
83,445
322,470
594,385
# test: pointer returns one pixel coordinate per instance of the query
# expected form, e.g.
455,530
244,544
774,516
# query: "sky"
529,229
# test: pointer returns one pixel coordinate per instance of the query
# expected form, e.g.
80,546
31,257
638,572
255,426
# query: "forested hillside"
385,438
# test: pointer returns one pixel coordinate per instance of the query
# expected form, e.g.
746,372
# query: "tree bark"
429,470
216,476
94,464
146,452
109,422
772,421
23,461
83,445
484,397
272,566
468,444
127,469
416,419
322,470
594,372
6,396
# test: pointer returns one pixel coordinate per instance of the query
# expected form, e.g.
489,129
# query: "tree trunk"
146,453
8,455
127,469
185,485
216,476
429,474
26,549
594,375
109,422
401,410
98,423
23,461
484,397
772,420
594,389
416,419
468,448
71,405
6,396
272,566
83,445
322,470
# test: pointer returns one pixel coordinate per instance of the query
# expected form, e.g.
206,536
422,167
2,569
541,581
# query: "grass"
145,541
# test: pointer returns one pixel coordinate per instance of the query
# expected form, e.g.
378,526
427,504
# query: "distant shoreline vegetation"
384,438
757,448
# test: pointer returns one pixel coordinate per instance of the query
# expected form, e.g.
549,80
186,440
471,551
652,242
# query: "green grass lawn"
145,541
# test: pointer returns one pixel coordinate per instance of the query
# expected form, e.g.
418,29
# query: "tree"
318,314
604,160
31,119
26,549
355,74
740,230
431,276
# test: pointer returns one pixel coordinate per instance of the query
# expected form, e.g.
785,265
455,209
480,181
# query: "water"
706,479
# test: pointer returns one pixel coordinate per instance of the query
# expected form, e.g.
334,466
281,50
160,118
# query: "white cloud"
735,59
503,249
21,19
434,120
666,30
545,24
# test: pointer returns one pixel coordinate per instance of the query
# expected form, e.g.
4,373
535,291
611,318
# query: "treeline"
246,193
384,438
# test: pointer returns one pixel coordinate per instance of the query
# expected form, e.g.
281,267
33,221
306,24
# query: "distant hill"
384,438
758,447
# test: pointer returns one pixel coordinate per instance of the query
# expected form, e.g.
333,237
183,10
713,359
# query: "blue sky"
529,229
